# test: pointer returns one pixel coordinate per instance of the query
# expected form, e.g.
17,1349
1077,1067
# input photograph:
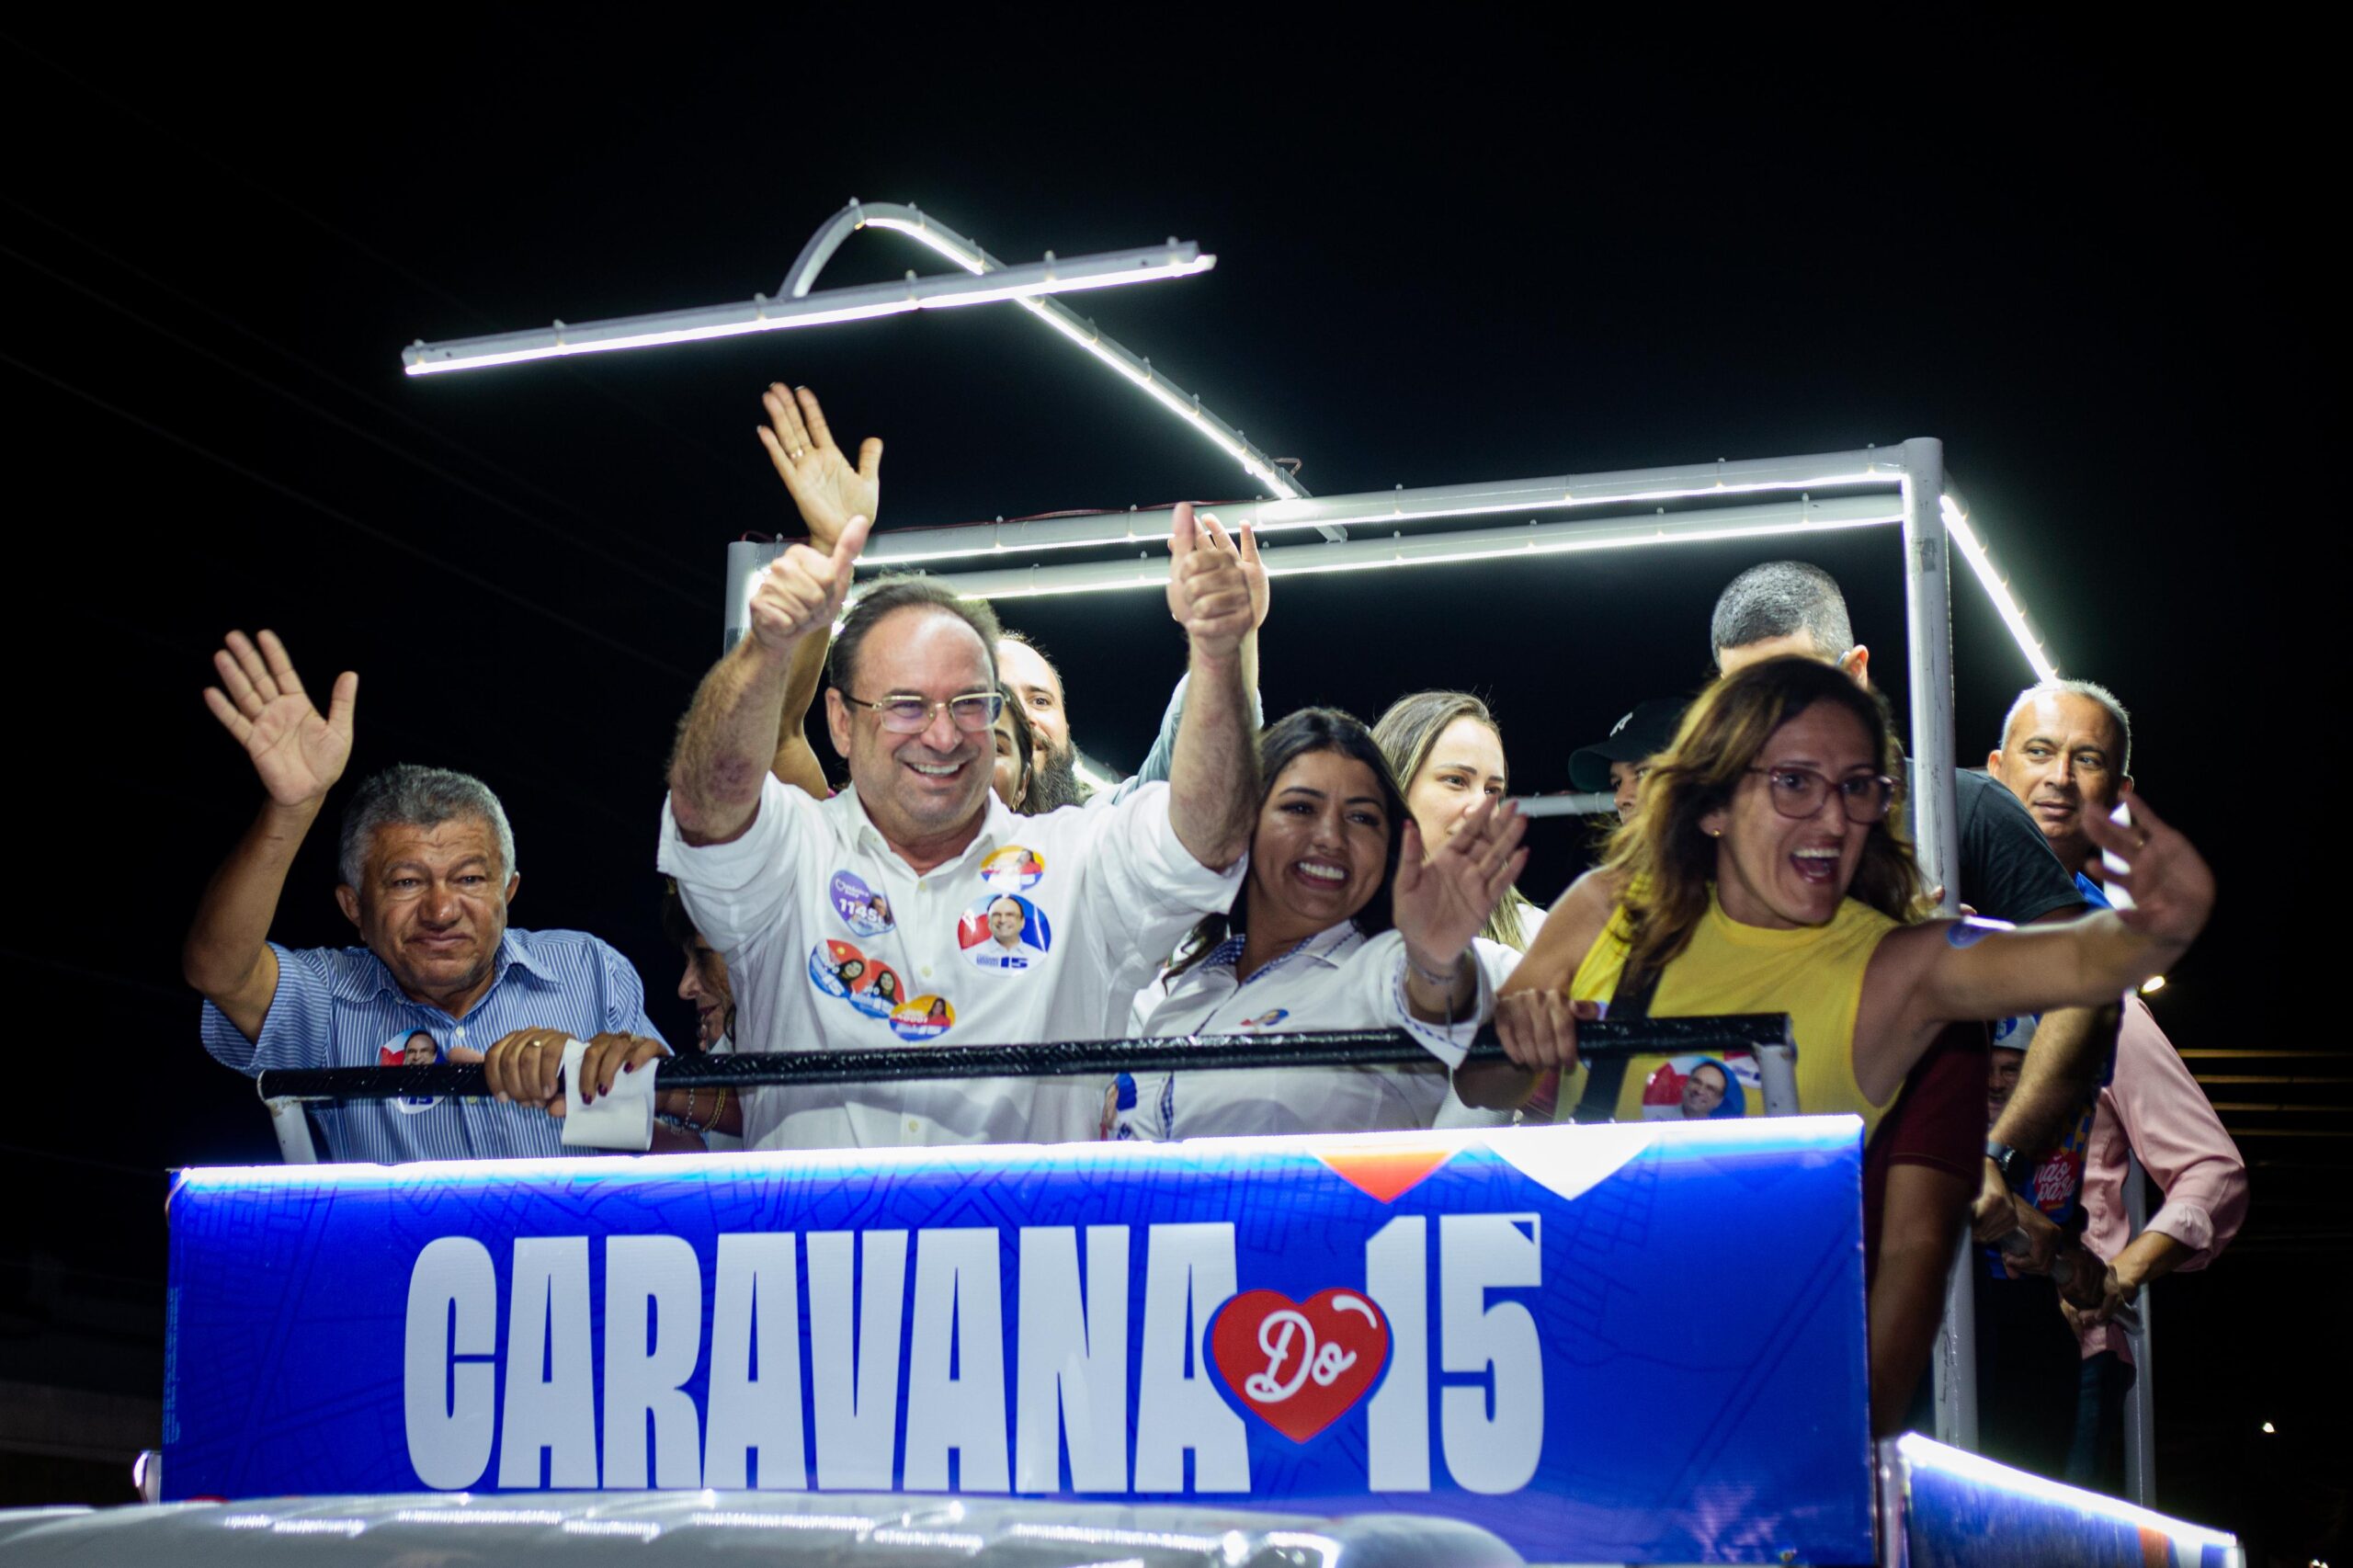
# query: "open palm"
297,753
824,486
1440,904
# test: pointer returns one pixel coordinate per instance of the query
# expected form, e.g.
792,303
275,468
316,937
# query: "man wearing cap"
1618,763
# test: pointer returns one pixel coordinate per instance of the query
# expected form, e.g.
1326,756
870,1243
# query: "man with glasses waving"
785,885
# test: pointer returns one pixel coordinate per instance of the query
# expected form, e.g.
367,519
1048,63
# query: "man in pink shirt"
2066,750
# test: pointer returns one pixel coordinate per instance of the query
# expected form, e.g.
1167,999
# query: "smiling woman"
1341,924
1766,870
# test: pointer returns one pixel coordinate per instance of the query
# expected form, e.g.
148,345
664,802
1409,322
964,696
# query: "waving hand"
298,754
828,490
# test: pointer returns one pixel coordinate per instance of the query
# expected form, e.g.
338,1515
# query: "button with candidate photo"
926,1018
863,909
415,1048
1004,932
1013,868
1702,1089
842,972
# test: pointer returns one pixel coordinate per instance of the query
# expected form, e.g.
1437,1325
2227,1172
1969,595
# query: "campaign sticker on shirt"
842,972
1004,931
1702,1089
1268,1020
415,1048
1013,868
863,909
926,1018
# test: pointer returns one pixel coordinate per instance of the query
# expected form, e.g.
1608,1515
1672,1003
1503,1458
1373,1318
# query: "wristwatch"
2006,1160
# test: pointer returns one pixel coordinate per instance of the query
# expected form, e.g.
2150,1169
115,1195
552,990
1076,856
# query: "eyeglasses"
972,712
1798,792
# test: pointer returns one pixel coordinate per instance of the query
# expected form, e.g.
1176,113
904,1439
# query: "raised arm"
297,756
729,738
1441,904
1924,977
1157,761
1212,778
828,492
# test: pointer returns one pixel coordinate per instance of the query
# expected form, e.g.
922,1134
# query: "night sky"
1447,252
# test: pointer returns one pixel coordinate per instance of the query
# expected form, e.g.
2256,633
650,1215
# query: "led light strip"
1532,538
1138,373
1568,492
1023,284
1973,549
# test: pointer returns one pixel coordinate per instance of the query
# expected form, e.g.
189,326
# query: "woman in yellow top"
1766,870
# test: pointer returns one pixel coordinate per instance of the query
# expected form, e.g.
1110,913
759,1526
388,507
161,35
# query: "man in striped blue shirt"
427,870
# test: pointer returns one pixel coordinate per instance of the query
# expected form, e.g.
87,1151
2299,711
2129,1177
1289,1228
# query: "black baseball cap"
1642,732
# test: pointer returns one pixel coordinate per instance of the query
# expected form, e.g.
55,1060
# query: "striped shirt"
341,1008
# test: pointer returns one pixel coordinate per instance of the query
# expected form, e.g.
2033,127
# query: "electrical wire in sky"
382,535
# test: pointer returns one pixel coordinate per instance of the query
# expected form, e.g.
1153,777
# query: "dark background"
1447,252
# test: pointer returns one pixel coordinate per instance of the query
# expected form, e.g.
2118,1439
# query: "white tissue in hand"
622,1120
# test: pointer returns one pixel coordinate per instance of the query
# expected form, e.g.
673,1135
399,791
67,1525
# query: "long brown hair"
1407,734
1665,862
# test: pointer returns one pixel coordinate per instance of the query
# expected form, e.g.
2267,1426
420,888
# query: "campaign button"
863,909
1013,868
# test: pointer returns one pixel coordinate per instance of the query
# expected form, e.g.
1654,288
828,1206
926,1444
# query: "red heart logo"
1300,1367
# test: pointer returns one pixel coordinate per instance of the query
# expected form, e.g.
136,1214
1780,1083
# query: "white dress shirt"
1338,979
836,943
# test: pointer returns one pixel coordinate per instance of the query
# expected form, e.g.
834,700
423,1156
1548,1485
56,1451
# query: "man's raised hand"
1210,589
803,590
260,702
824,486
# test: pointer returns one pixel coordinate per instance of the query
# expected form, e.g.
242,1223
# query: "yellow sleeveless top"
1813,973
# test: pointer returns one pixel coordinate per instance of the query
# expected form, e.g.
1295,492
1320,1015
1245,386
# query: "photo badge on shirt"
865,911
418,1048
923,1018
1004,932
843,972
1013,868
1703,1089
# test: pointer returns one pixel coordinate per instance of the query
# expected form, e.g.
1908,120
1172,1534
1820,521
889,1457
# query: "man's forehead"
444,843
1023,666
919,646
2064,716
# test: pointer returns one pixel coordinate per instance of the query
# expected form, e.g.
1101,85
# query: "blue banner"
1636,1343
1960,1510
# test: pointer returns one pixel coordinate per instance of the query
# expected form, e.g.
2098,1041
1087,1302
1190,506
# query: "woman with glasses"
1766,869
1341,924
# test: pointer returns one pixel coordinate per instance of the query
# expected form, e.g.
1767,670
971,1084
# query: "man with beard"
1023,666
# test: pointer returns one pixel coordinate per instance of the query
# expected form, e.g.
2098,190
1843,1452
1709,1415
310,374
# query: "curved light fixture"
1137,372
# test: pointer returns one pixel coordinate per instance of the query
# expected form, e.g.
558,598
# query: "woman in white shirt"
1342,923
1447,752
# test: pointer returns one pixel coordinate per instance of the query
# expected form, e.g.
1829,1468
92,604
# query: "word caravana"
1114,1400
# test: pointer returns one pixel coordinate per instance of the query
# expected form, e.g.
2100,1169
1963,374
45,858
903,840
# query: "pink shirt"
2154,1108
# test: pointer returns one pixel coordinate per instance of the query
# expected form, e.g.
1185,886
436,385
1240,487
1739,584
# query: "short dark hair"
677,925
1024,745
1776,600
895,593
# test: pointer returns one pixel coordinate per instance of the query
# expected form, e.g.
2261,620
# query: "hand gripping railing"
1766,1034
